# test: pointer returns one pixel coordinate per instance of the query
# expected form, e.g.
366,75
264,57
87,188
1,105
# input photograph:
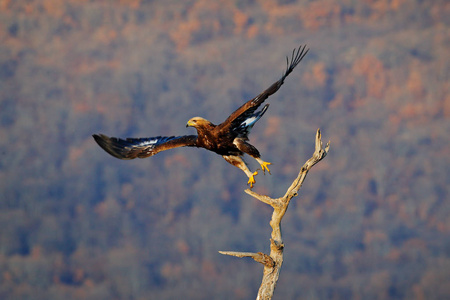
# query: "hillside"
371,222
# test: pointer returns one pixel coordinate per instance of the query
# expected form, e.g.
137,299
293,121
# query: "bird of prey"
229,139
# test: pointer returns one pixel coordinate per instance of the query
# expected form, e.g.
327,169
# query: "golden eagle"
229,139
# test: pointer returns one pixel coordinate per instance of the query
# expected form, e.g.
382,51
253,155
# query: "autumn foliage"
372,221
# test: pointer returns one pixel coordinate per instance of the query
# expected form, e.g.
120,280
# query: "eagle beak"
188,124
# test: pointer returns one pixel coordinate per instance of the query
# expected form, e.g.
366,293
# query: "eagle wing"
142,147
246,113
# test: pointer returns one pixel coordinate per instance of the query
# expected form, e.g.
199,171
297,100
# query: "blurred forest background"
371,222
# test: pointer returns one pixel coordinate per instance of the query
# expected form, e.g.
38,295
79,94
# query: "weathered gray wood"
273,262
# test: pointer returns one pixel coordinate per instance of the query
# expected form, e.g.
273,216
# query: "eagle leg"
264,165
240,163
249,149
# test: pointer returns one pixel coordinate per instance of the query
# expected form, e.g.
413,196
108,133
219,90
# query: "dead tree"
272,262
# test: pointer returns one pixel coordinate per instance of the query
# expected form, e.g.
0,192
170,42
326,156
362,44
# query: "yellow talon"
264,167
251,179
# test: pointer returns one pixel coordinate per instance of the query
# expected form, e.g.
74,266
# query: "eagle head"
197,122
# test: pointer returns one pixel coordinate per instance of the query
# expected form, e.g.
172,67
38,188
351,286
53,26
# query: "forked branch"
272,263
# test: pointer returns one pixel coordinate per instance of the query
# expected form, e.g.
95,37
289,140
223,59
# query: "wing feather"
247,109
142,147
244,128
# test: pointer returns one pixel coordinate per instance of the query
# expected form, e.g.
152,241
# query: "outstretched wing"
143,147
247,110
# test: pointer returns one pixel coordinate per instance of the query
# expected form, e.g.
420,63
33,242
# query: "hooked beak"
188,124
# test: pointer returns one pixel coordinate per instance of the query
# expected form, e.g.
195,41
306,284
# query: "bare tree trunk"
272,263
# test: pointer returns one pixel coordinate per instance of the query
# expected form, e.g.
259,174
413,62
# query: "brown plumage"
229,139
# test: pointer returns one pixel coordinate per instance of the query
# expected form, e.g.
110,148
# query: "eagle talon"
264,167
251,179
